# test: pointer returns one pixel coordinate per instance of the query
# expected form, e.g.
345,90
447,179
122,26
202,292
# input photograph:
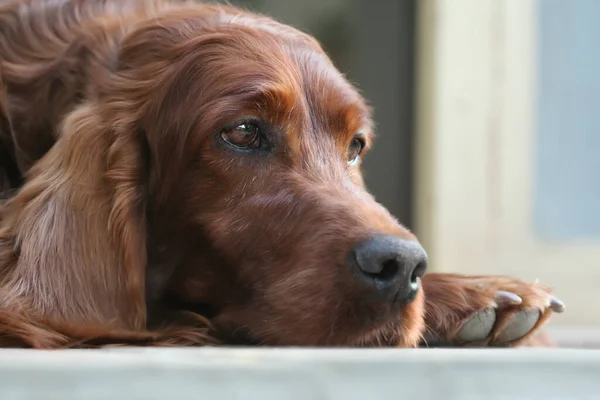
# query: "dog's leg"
485,311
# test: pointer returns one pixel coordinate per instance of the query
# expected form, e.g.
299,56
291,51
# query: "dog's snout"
390,266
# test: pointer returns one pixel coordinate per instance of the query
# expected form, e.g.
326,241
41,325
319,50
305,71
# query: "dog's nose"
390,266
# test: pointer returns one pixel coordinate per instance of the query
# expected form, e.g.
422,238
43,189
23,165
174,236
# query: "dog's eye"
354,150
246,135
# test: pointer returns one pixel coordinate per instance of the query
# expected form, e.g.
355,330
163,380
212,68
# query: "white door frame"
476,126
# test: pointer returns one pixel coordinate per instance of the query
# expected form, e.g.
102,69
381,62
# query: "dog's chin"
383,334
386,336
240,336
380,338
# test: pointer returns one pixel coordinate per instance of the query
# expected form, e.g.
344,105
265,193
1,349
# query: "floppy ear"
77,228
9,173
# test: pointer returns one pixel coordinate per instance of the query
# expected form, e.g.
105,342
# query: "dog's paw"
484,311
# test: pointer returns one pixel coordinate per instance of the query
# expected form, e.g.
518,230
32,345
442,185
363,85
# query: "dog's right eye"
244,136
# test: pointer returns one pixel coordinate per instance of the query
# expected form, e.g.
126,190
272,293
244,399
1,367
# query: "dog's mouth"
387,335
384,334
240,336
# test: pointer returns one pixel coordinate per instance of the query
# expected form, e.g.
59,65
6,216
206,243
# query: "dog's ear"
10,176
78,228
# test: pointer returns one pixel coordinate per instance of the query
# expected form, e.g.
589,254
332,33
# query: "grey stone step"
303,374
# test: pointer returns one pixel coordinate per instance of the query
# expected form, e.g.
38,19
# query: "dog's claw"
504,298
557,305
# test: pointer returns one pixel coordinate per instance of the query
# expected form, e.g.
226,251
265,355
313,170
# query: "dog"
189,174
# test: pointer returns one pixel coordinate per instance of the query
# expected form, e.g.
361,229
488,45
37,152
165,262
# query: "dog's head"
235,145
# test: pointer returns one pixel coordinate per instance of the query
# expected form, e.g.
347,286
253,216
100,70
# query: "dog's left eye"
246,136
354,150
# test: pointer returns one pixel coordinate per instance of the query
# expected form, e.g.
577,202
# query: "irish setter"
187,174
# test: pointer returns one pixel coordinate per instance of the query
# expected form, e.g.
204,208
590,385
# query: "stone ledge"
303,374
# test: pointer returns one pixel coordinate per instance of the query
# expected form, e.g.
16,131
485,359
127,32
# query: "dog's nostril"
417,273
389,270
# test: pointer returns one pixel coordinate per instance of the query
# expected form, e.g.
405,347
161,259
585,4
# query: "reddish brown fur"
132,207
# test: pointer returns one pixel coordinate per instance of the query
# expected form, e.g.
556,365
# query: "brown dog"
178,156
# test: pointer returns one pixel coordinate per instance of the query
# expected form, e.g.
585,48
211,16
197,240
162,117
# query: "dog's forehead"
333,104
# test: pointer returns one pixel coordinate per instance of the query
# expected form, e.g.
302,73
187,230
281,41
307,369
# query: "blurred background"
488,124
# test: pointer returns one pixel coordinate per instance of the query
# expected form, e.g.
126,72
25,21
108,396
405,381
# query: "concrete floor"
303,374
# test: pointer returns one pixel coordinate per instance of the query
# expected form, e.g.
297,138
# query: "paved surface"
303,374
